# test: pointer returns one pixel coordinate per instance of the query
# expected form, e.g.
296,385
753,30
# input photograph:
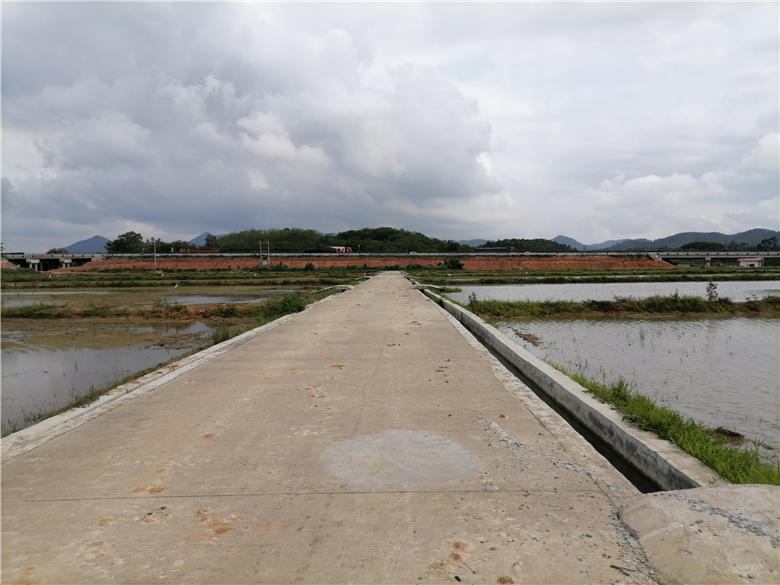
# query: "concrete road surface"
366,440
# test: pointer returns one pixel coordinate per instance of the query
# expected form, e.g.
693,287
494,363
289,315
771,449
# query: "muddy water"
735,290
22,298
720,372
45,365
204,300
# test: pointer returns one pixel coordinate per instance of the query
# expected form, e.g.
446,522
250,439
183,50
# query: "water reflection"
205,300
721,372
29,297
38,378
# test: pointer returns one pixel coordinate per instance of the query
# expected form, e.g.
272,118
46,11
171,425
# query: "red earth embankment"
485,262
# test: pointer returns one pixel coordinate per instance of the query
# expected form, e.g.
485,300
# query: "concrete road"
366,440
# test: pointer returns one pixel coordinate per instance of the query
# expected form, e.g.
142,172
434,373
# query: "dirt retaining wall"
469,262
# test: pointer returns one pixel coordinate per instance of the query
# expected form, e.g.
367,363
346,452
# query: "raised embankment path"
367,439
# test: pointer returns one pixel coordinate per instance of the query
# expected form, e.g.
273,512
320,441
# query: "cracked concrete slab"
714,535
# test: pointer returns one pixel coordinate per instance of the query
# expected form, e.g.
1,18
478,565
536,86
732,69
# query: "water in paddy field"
44,370
720,372
22,298
206,300
736,290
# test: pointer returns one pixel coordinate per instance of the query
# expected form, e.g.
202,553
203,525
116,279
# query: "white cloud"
765,157
461,120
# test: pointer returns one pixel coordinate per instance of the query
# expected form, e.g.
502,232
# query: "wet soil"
101,333
87,298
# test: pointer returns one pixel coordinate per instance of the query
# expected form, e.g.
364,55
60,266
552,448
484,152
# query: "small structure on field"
751,262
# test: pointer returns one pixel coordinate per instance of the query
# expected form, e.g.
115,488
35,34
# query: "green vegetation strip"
734,464
659,305
591,275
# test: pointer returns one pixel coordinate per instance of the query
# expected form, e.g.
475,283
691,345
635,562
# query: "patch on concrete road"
397,459
723,534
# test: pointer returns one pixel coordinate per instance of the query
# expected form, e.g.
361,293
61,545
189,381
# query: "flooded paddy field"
736,290
111,325
47,364
142,297
720,372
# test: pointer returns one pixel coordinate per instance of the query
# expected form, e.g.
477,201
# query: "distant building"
751,262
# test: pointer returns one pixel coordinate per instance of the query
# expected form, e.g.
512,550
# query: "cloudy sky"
593,120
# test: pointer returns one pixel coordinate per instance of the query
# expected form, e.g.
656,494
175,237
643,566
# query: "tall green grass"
734,464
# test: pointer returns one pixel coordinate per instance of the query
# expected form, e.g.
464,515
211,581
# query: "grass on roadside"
261,314
734,464
491,309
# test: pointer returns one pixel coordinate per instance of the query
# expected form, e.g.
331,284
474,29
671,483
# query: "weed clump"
275,308
222,333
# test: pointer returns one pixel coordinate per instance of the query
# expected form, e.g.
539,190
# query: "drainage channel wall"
663,463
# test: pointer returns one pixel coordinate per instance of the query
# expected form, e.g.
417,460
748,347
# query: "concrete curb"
35,435
664,463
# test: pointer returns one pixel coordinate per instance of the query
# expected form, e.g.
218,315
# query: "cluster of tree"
281,240
387,239
536,245
297,240
134,243
381,239
765,245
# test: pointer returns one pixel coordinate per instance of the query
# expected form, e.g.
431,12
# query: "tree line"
369,240
295,240
765,245
134,243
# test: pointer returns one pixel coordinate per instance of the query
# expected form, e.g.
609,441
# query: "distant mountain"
200,240
750,237
567,241
603,245
472,243
94,245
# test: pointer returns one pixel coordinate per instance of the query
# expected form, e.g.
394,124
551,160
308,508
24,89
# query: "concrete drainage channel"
650,463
